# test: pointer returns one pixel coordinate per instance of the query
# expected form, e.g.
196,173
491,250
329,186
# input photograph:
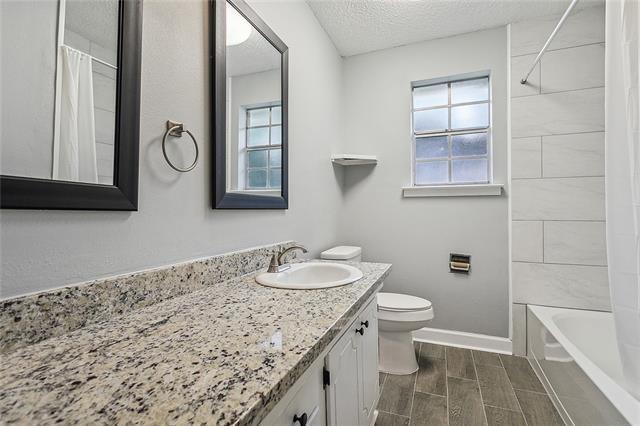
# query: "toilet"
398,316
344,253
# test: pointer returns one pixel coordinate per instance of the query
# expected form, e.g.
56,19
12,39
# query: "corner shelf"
353,159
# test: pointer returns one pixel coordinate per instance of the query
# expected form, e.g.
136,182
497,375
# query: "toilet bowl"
398,316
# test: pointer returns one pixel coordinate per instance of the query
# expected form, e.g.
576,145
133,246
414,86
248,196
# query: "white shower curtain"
623,180
74,156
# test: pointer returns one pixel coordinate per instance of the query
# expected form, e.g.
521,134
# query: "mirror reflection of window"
59,82
254,90
262,147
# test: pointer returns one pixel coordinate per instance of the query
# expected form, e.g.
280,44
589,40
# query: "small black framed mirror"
70,117
249,109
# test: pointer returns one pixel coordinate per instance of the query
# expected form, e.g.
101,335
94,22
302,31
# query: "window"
451,132
263,147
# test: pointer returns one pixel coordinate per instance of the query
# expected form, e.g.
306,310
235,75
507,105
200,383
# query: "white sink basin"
311,275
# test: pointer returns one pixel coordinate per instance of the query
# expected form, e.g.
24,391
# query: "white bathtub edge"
623,401
550,391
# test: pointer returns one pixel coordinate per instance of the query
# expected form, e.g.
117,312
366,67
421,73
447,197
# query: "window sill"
480,190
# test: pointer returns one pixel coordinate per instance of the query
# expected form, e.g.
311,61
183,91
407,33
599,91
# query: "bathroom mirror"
249,104
70,104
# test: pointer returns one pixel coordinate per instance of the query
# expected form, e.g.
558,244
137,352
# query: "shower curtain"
74,152
622,123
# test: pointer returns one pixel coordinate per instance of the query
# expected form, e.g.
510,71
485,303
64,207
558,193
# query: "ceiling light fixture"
238,29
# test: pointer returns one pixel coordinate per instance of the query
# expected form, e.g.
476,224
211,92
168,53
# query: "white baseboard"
461,339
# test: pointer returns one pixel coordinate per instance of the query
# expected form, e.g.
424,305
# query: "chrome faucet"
276,260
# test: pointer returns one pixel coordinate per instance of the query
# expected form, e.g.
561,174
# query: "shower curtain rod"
549,40
107,64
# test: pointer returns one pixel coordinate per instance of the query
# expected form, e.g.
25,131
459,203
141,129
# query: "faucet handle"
274,264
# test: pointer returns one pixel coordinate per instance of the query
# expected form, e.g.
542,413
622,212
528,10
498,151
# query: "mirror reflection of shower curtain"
622,111
74,152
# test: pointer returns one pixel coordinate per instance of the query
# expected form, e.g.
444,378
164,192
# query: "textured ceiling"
95,20
254,55
360,26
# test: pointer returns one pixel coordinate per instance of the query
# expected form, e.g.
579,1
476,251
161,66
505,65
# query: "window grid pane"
263,159
467,144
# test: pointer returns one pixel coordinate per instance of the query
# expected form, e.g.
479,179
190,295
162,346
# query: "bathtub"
574,352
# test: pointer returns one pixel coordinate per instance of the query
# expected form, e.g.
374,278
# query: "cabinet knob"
360,330
300,419
365,323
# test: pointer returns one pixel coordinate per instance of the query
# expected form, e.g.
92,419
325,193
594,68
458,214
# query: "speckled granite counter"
225,354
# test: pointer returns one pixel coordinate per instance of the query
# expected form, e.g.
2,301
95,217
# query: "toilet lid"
402,302
341,253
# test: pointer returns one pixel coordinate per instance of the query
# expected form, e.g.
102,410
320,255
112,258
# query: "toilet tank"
349,253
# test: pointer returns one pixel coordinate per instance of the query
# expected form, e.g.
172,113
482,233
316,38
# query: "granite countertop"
225,354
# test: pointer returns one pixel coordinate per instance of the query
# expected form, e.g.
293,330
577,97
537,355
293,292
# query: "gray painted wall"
417,235
46,249
27,85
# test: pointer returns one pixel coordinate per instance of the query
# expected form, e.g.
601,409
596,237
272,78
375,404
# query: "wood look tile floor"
463,387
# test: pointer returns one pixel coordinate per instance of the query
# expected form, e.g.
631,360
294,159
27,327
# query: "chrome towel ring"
177,129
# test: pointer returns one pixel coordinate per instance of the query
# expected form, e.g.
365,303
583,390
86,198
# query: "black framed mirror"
70,137
249,109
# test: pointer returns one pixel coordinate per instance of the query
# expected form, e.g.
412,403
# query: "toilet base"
397,354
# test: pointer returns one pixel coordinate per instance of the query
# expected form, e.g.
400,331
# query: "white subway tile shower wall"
559,253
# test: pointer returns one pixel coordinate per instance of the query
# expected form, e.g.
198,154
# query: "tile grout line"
532,54
392,414
429,393
502,408
475,370
558,91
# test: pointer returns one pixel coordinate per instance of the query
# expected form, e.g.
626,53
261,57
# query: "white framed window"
262,147
451,127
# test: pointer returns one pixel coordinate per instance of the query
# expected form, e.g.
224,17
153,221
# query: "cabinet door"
308,402
344,392
369,363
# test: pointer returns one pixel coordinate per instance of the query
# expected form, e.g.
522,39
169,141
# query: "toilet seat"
403,308
395,302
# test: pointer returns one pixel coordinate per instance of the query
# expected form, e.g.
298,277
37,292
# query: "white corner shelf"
353,159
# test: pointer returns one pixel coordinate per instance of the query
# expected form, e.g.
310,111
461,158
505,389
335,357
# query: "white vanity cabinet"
352,364
341,387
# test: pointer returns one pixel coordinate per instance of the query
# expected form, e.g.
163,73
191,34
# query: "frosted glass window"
471,170
258,136
258,158
263,131
469,144
275,158
451,131
430,96
276,135
430,120
432,172
276,115
470,116
433,147
470,91
275,177
257,178
259,117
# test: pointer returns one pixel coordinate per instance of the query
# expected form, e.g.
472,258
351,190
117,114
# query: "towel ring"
177,129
